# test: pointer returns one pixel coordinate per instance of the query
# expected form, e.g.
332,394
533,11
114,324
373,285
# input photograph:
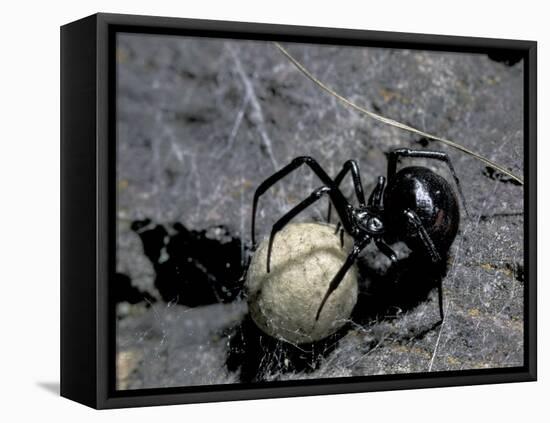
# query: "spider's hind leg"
436,258
335,282
394,155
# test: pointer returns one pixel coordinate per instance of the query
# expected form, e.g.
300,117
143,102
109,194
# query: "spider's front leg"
386,250
351,167
337,198
281,223
357,248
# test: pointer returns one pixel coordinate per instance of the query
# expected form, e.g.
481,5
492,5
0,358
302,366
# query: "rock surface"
201,122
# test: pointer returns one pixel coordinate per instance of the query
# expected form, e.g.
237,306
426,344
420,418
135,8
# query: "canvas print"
290,211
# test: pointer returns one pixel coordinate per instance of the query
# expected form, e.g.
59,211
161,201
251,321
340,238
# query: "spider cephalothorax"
416,206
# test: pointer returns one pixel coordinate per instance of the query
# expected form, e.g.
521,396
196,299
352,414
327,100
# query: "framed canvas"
257,211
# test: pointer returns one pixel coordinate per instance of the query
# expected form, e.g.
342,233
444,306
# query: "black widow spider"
417,207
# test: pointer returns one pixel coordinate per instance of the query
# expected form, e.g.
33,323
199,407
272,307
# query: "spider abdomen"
431,198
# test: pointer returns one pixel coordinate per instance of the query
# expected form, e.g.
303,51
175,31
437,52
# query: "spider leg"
338,226
350,166
413,219
375,199
386,250
335,282
431,250
426,154
440,297
337,198
281,223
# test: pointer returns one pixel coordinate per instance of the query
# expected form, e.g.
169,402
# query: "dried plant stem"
392,122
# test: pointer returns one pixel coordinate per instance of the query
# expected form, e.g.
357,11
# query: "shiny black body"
433,200
417,207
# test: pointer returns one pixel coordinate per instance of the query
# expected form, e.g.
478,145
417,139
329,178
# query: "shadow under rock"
401,288
259,356
193,267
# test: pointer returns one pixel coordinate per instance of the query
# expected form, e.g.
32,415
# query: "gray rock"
203,121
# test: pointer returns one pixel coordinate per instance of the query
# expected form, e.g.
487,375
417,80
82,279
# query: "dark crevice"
392,292
485,217
376,107
123,291
498,176
519,272
193,267
509,58
514,269
199,117
423,141
258,356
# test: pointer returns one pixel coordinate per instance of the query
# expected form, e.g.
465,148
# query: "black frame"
88,209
